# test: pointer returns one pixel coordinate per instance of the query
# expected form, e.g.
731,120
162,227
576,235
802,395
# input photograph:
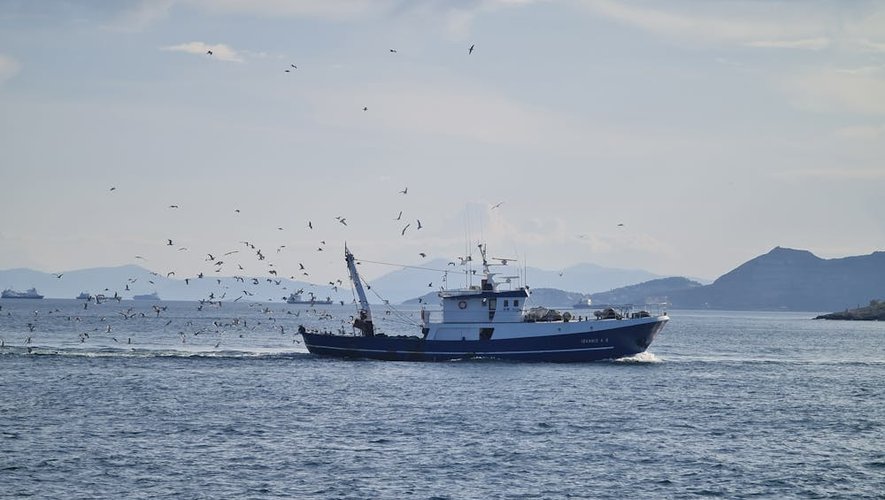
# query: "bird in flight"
621,225
365,108
422,254
470,50
419,223
209,52
112,188
400,216
497,205
393,51
173,206
310,224
169,242
404,230
405,190
58,275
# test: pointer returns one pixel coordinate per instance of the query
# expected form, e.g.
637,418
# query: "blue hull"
575,347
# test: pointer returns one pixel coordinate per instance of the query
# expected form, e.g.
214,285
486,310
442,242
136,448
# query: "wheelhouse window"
515,302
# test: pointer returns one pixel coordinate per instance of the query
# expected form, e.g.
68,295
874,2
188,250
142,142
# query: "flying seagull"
470,50
404,230
405,190
209,52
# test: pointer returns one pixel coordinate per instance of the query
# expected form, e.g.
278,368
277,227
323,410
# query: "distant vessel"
586,304
146,296
84,296
295,298
483,321
12,294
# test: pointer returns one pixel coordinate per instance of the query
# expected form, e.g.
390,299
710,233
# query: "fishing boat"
487,321
295,298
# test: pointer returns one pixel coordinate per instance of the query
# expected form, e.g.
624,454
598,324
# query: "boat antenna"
364,320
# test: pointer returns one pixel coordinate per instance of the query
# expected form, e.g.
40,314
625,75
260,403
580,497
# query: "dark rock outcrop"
873,312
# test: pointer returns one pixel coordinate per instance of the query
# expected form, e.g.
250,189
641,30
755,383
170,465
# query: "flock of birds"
216,262
103,315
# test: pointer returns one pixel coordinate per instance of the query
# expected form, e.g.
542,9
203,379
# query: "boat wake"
155,353
641,358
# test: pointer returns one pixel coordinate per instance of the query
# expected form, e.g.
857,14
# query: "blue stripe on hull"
587,346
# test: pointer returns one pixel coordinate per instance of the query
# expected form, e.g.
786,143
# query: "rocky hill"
788,279
650,292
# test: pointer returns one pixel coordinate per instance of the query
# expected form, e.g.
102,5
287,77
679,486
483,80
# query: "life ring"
462,304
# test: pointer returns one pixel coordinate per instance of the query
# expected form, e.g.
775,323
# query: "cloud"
460,110
861,133
142,15
872,46
837,91
326,9
220,51
833,174
9,67
805,43
784,25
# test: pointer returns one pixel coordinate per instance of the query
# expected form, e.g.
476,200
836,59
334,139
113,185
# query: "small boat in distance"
84,296
146,296
295,298
31,293
488,322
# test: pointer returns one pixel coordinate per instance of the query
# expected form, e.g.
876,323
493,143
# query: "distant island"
873,312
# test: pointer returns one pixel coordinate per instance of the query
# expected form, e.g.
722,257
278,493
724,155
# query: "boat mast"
364,321
488,279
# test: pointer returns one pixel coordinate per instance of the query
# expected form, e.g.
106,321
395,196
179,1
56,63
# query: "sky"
682,137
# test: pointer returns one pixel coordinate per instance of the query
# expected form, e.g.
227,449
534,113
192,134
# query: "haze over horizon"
682,139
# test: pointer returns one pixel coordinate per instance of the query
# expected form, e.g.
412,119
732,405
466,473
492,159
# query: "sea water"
225,402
